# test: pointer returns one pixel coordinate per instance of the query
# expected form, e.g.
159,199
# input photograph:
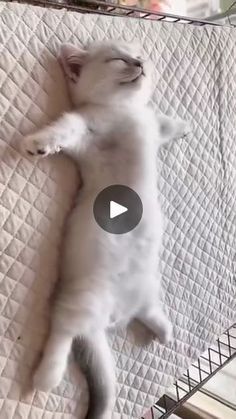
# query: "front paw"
37,145
182,129
186,129
165,335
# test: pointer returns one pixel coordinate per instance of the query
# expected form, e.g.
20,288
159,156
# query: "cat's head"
106,72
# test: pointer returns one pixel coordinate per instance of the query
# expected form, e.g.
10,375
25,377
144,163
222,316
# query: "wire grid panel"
211,362
109,8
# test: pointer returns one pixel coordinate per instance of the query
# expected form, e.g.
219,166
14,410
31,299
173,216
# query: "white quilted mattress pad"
195,79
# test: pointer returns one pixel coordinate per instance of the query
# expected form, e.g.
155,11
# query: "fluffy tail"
94,358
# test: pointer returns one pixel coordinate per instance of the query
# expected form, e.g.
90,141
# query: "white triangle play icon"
116,209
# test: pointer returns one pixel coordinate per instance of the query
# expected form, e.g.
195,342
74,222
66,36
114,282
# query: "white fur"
114,136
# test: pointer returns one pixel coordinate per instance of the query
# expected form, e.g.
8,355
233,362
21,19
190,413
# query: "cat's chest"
110,153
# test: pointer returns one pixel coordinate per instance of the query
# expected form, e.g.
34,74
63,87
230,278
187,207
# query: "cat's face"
106,72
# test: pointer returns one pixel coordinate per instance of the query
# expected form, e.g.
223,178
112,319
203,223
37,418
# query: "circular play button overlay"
118,209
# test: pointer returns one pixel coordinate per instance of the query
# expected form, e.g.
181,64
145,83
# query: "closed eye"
109,60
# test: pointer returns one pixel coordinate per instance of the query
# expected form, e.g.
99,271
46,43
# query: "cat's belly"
127,304
113,271
131,288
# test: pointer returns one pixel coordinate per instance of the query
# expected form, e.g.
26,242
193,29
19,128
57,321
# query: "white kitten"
105,279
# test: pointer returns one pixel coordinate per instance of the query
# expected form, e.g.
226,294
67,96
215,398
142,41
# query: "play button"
118,209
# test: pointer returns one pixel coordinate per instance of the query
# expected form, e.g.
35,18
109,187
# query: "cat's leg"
65,325
170,129
154,318
65,134
94,356
54,361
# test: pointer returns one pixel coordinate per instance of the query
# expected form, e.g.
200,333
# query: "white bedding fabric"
195,79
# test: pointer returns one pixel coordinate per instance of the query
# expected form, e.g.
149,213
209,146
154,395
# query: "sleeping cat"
105,279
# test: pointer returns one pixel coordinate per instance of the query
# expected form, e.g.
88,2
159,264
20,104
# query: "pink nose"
138,63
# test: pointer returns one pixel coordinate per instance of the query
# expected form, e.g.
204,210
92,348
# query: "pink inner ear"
75,69
72,58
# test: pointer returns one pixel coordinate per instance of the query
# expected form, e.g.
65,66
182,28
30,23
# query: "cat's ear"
72,58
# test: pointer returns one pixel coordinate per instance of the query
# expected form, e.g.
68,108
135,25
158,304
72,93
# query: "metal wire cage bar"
209,364
115,9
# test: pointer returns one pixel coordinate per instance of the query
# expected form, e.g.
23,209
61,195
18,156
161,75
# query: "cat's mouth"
142,74
135,78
